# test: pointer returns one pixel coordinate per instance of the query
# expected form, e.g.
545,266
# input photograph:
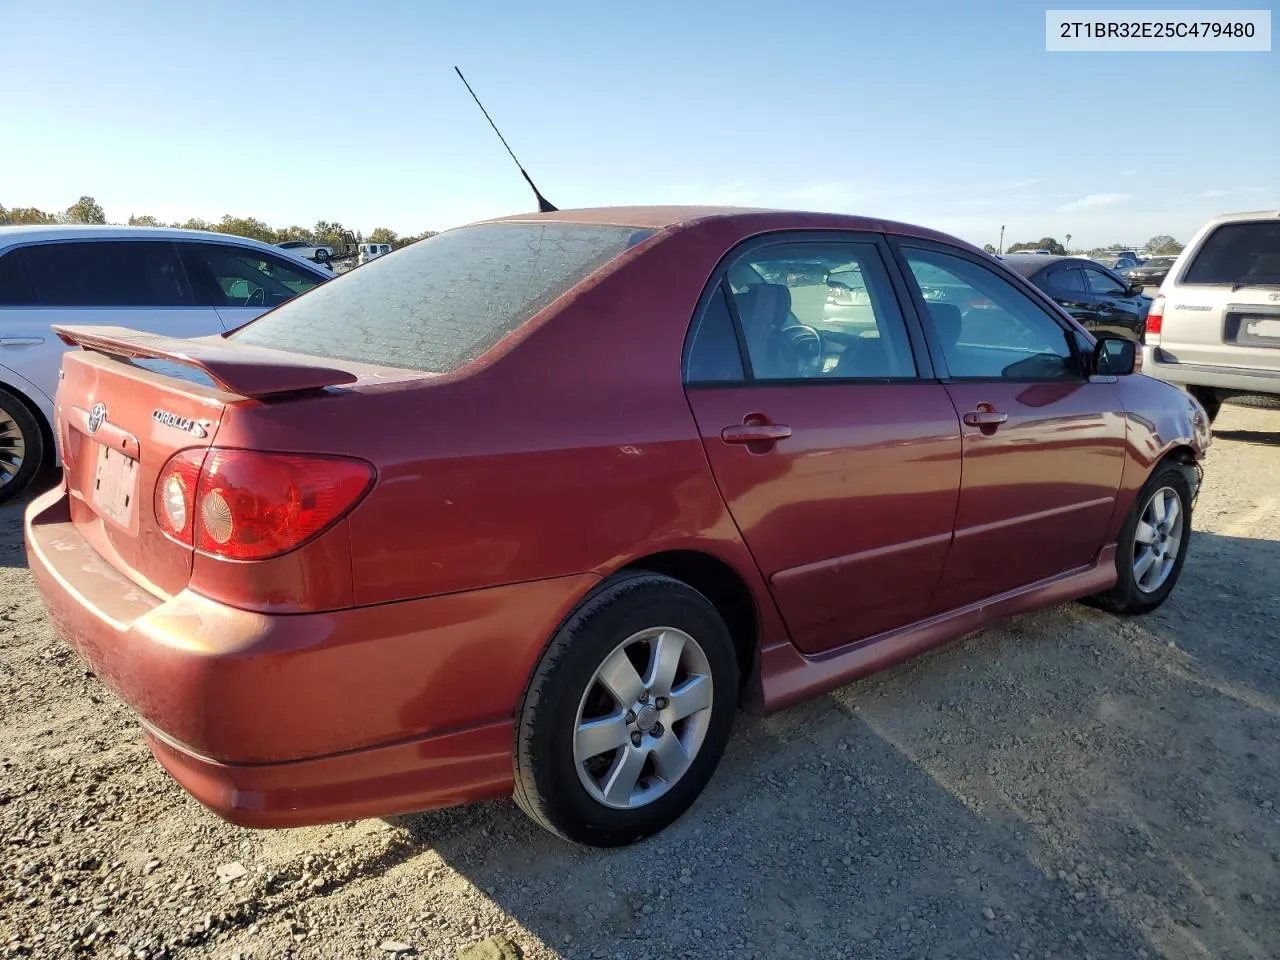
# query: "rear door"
835,450
244,282
139,284
1222,307
1119,311
1043,442
1065,282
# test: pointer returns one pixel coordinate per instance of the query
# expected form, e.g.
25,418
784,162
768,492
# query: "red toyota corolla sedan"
535,505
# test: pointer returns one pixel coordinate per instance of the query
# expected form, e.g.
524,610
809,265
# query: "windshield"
1238,253
442,302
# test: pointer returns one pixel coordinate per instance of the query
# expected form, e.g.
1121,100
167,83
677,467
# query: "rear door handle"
21,341
755,432
985,418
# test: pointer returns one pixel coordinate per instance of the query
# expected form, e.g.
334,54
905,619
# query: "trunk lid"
127,402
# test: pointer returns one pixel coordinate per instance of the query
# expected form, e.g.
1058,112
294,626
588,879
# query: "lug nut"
656,730
644,697
635,739
631,716
661,703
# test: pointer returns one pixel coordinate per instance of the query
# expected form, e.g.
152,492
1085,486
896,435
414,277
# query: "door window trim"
897,284
1071,331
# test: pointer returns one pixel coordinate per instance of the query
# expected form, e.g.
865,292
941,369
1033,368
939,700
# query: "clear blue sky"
948,114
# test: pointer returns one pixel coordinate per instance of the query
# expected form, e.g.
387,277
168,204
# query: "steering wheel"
258,298
808,345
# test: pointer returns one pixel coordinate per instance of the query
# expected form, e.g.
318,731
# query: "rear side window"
108,273
442,302
15,286
243,277
1238,253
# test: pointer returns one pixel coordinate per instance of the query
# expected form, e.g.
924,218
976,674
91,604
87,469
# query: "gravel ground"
1071,785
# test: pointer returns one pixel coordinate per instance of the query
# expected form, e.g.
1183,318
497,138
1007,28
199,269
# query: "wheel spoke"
1157,507
670,758
621,679
595,737
1171,514
8,470
664,661
1143,564
694,695
623,775
1145,532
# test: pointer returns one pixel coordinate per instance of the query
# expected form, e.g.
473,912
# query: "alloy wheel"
1157,540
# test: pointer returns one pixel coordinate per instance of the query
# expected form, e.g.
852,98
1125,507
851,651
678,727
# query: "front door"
1043,442
836,453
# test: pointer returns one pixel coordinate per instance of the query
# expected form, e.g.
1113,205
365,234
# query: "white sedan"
307,250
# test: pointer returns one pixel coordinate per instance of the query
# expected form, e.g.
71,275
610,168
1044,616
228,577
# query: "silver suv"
1214,328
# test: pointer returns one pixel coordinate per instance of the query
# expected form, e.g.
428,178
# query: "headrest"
947,321
764,306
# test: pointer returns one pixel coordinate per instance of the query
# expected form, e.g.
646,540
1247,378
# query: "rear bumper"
1155,363
274,720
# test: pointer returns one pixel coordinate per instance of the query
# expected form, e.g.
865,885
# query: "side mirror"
1135,289
1114,356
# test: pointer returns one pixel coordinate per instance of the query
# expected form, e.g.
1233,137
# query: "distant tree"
405,241
250,227
1044,243
1163,244
144,220
84,210
988,248
293,233
329,233
195,223
383,235
28,215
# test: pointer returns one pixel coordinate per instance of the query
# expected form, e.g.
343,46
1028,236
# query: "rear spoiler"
245,371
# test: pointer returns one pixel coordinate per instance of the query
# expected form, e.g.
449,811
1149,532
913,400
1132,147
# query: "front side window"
242,277
819,310
1238,253
108,273
989,329
16,289
442,302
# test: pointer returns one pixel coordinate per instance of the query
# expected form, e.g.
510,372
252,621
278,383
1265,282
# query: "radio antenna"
544,205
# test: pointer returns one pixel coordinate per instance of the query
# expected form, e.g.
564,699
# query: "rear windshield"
441,302
1238,253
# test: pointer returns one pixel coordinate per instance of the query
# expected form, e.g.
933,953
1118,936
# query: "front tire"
628,712
21,446
322,256
1209,399
1153,543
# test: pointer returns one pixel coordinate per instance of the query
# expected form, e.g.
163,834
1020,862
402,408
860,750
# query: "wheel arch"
727,590
22,390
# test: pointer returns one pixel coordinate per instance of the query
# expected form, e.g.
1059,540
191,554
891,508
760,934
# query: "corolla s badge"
97,417
194,427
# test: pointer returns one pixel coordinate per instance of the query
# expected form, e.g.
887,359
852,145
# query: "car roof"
24,233
747,219
1244,217
1031,263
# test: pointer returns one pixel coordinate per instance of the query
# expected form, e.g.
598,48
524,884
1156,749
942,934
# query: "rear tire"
21,446
1161,547
628,712
1261,401
322,256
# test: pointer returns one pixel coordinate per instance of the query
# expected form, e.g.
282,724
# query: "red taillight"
246,505
175,495
1155,316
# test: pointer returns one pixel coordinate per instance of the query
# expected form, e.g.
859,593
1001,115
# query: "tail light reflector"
248,505
1155,316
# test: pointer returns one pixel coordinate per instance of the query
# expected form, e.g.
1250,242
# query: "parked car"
173,282
1099,299
532,506
371,251
307,250
1214,327
1150,273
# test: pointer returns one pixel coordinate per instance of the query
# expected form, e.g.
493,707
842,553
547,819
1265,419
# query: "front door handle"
21,341
985,417
755,432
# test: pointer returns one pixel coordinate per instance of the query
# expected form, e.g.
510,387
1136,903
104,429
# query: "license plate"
115,485
1262,328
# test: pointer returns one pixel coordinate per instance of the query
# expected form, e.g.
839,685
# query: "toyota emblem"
97,417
